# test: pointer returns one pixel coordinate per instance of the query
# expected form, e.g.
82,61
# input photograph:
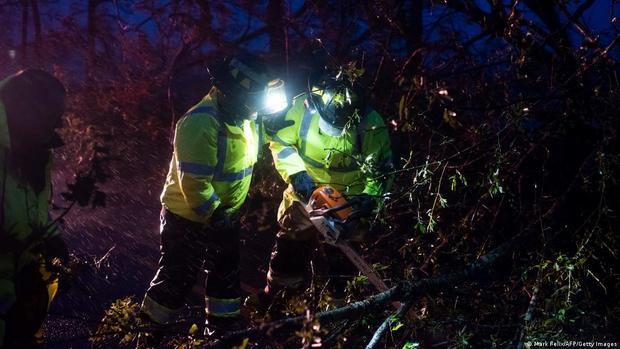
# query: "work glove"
357,225
222,220
274,123
362,204
303,184
55,251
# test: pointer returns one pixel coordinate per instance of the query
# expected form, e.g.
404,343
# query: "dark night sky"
598,17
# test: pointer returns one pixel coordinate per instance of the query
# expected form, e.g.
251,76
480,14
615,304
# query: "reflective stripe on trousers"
185,247
223,307
157,312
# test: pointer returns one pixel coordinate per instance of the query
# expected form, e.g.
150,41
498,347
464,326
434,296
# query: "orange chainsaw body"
326,197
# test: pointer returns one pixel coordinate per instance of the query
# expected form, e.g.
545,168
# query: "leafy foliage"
503,118
120,323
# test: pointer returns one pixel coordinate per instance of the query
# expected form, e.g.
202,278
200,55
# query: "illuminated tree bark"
24,38
276,27
91,49
36,19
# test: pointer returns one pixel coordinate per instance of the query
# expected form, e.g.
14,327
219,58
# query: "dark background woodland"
504,123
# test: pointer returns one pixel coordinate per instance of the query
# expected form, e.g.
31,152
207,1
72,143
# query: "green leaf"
395,324
411,345
443,202
452,182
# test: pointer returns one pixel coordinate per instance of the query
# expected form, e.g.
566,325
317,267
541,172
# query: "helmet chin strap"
230,111
331,130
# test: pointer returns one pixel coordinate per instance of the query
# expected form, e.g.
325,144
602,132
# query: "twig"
61,216
528,316
170,99
613,43
105,256
431,256
437,195
376,338
169,329
344,325
574,19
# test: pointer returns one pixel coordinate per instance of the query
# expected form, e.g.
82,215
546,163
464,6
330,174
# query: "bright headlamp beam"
275,97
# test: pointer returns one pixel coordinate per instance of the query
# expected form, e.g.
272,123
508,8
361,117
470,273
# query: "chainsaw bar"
327,210
331,234
363,267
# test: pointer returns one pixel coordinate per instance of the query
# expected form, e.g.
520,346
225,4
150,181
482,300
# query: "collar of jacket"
5,140
235,125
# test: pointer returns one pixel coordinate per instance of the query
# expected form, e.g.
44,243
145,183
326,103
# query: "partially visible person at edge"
31,248
331,129
216,145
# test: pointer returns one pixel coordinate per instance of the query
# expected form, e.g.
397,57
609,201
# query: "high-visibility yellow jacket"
23,210
23,213
349,163
211,164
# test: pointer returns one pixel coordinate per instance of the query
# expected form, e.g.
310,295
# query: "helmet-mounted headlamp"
275,99
248,88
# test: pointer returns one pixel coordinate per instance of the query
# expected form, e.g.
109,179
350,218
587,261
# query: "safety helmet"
34,101
246,87
338,103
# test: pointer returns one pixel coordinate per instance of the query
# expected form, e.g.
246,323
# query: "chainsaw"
329,212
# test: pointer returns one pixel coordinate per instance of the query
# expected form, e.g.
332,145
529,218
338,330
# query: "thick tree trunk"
205,20
413,25
36,20
91,54
24,44
276,28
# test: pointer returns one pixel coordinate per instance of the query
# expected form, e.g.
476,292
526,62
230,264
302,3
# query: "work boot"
151,339
273,303
259,304
216,329
148,341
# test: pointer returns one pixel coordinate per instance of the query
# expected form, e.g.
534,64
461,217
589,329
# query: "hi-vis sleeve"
378,151
284,144
195,149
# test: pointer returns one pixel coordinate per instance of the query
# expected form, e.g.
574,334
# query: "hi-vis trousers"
185,247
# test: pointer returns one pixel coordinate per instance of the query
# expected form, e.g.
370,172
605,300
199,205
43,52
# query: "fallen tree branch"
527,317
406,291
348,311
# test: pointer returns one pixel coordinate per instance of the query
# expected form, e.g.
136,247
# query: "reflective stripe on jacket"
211,164
336,161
